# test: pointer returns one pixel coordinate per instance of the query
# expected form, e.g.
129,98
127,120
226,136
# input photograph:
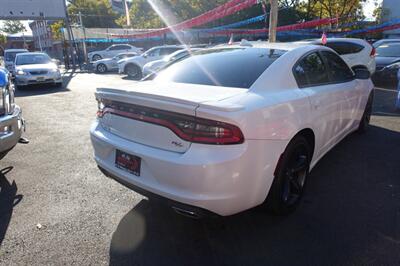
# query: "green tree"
95,13
346,10
56,29
13,26
3,38
144,15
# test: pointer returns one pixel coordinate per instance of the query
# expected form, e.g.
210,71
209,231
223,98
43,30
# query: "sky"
369,7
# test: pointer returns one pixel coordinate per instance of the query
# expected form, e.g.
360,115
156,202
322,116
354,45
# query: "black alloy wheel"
290,177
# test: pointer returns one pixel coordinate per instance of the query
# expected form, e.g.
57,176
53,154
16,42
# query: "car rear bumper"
220,179
11,127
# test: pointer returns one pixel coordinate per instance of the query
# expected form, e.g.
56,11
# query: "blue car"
11,121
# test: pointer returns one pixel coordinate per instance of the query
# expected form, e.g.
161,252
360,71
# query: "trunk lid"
172,97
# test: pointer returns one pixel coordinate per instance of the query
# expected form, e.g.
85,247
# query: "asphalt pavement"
56,208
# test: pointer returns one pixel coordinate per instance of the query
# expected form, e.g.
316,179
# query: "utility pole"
273,20
128,19
84,36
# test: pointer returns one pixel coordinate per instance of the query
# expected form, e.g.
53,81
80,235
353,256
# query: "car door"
108,52
152,55
115,50
348,89
312,77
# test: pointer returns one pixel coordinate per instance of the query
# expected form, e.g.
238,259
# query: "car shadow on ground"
129,78
350,214
8,200
33,90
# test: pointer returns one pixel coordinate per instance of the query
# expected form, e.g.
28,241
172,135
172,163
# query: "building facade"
42,36
391,11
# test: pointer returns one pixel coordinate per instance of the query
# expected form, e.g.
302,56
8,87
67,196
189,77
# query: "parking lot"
57,208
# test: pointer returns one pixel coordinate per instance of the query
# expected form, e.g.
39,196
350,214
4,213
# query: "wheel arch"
131,64
309,135
97,55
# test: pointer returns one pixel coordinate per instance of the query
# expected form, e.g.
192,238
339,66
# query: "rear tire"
366,118
133,71
290,178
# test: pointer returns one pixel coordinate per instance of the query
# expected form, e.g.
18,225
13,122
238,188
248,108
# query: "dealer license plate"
127,162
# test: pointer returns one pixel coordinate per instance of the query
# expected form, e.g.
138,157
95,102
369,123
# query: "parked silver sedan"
111,64
36,68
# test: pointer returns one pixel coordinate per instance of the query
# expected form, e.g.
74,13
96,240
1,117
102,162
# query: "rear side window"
311,71
226,67
338,69
344,48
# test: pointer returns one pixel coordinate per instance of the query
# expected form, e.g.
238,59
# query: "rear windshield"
388,50
344,48
226,67
32,59
10,56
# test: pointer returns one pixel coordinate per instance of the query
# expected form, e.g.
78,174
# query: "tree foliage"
159,13
56,28
95,13
3,39
13,26
146,14
346,10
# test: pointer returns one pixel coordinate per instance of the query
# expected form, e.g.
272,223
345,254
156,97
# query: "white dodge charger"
231,128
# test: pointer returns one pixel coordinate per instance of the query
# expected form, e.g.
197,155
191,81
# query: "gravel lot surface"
56,208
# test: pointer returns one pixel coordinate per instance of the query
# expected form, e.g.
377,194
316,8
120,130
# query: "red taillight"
189,128
373,52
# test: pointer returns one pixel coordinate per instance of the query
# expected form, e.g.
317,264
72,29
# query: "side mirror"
361,73
145,55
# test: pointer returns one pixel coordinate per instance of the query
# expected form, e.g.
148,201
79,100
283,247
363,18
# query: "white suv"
356,53
133,66
112,51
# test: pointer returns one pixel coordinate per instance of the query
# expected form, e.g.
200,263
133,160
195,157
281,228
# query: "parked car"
387,63
355,52
154,66
112,51
383,41
111,64
133,66
36,68
9,58
11,121
231,128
